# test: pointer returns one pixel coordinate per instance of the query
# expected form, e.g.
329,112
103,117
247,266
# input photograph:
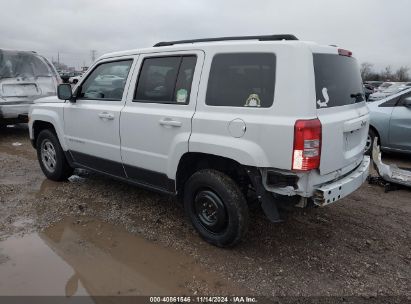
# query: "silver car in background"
24,77
390,121
391,90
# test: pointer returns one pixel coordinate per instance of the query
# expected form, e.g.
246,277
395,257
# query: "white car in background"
384,86
107,79
393,89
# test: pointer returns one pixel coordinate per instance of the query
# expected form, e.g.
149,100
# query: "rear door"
156,121
341,108
400,126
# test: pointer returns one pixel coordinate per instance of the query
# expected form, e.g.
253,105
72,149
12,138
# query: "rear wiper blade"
356,95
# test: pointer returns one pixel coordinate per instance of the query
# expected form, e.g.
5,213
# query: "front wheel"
216,207
51,157
370,141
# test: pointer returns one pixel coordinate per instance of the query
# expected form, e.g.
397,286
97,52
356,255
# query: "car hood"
50,99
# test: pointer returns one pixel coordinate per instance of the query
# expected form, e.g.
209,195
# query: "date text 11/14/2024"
204,299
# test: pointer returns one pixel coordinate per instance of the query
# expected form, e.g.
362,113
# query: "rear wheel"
51,157
216,207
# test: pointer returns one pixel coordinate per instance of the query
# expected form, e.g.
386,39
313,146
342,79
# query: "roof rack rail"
260,38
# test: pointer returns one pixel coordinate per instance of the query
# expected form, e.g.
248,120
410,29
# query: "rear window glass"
242,80
23,64
337,80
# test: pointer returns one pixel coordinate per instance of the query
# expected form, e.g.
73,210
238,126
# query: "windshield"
337,80
22,64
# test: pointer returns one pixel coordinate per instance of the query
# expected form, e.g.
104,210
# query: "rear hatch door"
19,89
341,108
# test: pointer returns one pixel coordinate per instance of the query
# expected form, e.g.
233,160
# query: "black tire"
216,207
75,81
370,141
59,169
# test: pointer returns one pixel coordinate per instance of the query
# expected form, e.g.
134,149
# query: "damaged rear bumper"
336,190
389,173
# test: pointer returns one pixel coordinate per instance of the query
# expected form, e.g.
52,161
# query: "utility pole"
58,58
93,54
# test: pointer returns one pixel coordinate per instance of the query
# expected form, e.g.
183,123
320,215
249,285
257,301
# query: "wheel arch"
375,130
191,162
40,125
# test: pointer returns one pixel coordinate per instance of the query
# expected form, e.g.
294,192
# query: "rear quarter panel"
269,132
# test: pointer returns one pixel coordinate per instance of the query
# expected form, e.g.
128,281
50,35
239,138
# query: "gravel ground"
358,247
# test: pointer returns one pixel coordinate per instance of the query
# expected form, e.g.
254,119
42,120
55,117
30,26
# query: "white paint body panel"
136,138
86,132
147,143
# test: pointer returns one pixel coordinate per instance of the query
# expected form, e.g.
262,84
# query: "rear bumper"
331,192
14,110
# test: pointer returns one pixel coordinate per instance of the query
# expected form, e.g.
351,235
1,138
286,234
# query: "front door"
400,126
156,121
92,122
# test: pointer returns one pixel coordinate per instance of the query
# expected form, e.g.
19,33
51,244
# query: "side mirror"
407,102
64,92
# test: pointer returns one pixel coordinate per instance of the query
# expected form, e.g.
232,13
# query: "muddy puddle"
18,150
90,257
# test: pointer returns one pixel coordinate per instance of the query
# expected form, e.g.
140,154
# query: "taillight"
343,52
307,145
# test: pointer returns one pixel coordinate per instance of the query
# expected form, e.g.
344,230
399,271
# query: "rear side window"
390,103
166,80
242,80
337,80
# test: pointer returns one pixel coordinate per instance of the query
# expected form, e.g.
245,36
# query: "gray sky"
377,31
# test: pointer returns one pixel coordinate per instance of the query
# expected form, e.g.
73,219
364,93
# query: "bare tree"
366,70
387,73
402,74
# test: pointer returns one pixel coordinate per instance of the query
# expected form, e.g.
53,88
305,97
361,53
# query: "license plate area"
352,139
19,90
334,191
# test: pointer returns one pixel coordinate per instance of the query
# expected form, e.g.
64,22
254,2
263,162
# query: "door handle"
106,115
170,122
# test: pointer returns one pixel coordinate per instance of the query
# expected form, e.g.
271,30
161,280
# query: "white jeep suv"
216,122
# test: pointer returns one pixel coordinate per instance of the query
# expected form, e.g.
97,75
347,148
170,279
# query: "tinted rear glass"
23,64
337,80
242,80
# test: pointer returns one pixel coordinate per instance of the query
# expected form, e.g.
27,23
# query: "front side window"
166,80
106,81
403,97
242,80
